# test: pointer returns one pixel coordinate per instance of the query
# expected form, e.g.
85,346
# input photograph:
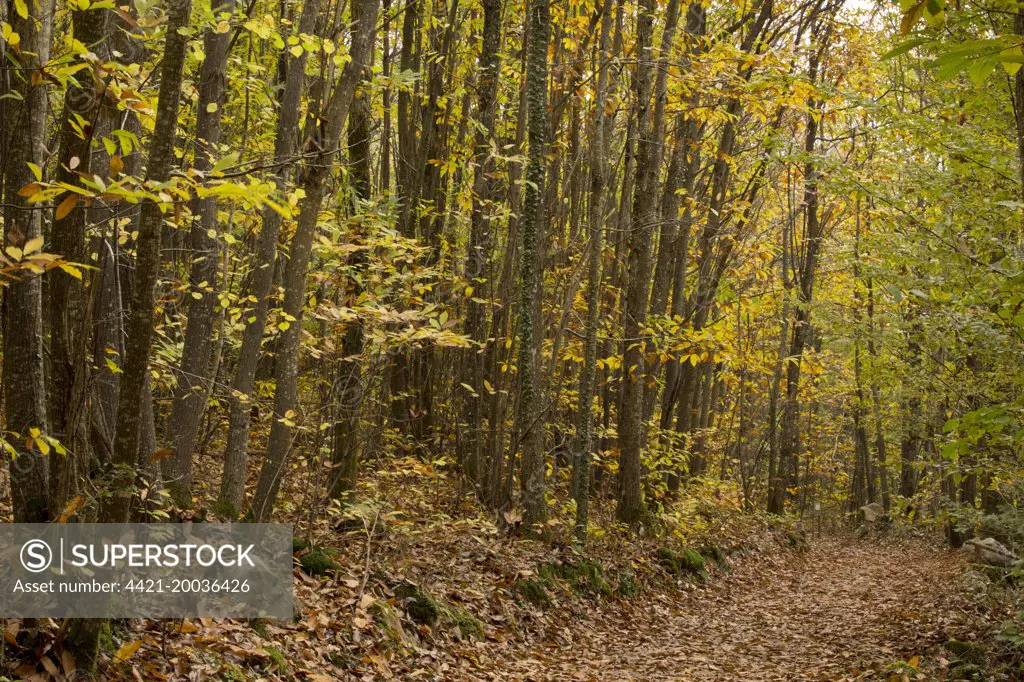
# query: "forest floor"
836,612
427,587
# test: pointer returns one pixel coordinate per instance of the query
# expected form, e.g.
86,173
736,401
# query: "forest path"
841,611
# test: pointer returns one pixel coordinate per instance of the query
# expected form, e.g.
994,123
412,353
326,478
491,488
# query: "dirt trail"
837,612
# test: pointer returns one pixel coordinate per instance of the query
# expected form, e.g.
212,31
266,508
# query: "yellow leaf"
127,650
33,245
71,270
65,206
21,8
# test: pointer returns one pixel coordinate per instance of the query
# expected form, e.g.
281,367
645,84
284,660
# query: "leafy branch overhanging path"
838,612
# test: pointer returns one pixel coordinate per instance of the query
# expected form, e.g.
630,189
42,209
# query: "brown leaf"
65,206
30,190
49,665
70,510
162,453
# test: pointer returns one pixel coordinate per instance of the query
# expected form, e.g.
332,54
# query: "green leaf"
904,47
980,70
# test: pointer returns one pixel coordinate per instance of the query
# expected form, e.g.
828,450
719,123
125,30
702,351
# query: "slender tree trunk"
789,446
138,343
863,485
408,174
70,307
641,233
193,379
480,242
601,124
533,231
910,444
23,374
349,390
876,402
84,634
236,454
286,374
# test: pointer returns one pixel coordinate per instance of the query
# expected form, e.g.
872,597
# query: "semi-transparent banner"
145,570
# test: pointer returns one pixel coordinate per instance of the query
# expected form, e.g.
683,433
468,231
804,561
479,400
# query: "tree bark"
23,373
531,233
480,241
601,124
634,313
286,369
116,508
236,454
789,446
349,390
194,381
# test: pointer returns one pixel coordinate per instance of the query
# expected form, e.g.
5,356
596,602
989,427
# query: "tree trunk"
193,379
236,454
23,374
286,369
876,402
138,343
634,314
601,124
787,475
480,241
349,391
531,233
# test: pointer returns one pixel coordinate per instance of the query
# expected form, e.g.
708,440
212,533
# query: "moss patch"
967,671
628,587
318,561
714,554
966,652
687,562
797,540
534,591
585,576
464,622
259,626
277,658
386,616
421,607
